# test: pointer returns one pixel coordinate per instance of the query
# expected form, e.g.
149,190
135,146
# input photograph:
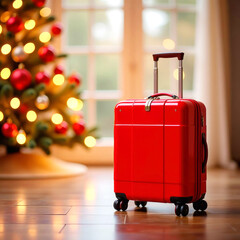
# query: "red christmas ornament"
61,128
39,3
46,53
79,127
20,79
9,130
59,69
42,77
14,24
56,29
74,78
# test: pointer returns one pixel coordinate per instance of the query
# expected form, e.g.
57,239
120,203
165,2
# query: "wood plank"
81,208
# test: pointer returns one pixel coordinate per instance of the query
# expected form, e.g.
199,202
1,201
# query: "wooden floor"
81,208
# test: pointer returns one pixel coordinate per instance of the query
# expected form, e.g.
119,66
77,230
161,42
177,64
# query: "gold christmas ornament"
18,54
42,102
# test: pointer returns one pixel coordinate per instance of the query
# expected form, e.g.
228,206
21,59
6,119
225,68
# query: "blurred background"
111,42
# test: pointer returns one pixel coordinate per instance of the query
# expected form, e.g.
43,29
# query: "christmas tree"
39,105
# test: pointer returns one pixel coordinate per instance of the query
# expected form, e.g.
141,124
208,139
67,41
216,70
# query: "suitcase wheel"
120,205
200,205
138,203
181,209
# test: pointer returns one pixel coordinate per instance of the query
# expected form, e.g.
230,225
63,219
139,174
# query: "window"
110,43
93,40
169,25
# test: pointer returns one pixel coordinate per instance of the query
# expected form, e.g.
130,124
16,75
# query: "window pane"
107,70
188,72
77,34
163,73
186,28
84,111
188,66
154,2
186,2
110,3
105,117
155,26
108,27
79,64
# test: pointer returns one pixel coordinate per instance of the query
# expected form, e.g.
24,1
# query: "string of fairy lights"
46,53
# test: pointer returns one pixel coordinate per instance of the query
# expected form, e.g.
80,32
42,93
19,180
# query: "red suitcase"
160,149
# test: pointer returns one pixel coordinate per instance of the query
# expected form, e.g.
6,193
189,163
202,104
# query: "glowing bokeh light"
1,116
15,103
175,74
29,47
90,141
31,116
21,137
57,118
45,12
45,37
17,4
5,73
30,24
74,104
169,44
6,49
58,79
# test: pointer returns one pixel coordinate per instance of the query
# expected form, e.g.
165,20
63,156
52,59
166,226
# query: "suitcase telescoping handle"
178,55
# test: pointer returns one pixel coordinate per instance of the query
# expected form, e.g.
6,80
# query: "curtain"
212,78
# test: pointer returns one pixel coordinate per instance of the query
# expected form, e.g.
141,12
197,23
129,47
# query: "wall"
234,23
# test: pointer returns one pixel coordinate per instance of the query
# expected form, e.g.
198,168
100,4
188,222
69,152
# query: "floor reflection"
200,214
90,192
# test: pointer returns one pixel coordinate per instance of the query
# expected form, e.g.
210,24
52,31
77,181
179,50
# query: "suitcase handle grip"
163,94
204,142
179,55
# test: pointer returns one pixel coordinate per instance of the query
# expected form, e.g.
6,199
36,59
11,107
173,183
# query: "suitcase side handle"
178,55
204,142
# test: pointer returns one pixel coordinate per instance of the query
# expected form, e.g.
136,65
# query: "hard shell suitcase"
160,149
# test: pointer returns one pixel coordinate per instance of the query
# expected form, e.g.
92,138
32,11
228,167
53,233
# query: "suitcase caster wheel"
138,203
116,205
184,210
178,210
200,205
124,205
120,205
181,210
